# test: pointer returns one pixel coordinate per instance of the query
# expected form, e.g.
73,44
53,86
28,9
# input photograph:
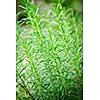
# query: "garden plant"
49,53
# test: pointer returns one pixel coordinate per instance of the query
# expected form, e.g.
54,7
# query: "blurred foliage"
75,4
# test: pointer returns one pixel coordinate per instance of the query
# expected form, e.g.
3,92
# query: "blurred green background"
77,5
